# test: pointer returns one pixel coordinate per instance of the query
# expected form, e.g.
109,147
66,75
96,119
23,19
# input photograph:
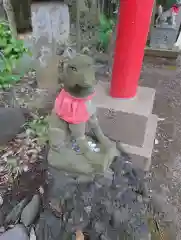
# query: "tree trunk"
18,15
109,8
2,11
78,38
22,13
10,16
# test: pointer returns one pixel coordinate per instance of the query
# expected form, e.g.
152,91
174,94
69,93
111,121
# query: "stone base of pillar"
129,122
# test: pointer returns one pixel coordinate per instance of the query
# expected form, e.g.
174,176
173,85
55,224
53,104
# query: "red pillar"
132,31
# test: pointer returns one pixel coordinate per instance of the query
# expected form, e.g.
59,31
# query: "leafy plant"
11,50
105,31
39,129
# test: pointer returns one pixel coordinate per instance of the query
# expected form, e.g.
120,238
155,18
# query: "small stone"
2,230
99,227
116,219
11,121
30,211
17,233
105,180
161,119
103,237
1,218
160,205
55,206
15,214
1,200
11,226
48,227
32,234
84,179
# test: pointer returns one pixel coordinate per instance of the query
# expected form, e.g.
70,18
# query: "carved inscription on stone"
50,23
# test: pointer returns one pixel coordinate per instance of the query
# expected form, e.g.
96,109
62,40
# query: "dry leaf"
79,235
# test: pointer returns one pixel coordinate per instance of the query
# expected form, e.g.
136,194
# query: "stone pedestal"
129,122
163,37
65,154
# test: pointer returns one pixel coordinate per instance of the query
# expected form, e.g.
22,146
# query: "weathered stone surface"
15,214
11,121
50,29
17,233
48,227
50,20
30,211
1,217
58,181
26,62
44,102
162,206
110,208
69,161
120,126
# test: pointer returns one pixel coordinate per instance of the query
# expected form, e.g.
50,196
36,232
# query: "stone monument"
164,33
70,149
50,23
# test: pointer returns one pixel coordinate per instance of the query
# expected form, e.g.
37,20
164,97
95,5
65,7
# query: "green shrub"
11,50
105,31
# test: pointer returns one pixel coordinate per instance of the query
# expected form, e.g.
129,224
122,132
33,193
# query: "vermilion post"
132,31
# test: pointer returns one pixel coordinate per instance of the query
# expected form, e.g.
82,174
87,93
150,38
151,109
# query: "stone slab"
141,156
163,37
138,161
142,104
122,126
50,22
162,53
70,161
16,233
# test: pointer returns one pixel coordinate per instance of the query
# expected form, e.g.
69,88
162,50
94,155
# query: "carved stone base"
67,159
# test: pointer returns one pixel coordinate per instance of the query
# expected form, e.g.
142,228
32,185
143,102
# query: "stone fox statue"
168,16
74,109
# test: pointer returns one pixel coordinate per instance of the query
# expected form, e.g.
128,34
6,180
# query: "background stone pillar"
2,11
50,23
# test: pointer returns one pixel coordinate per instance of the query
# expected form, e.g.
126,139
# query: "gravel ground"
165,77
